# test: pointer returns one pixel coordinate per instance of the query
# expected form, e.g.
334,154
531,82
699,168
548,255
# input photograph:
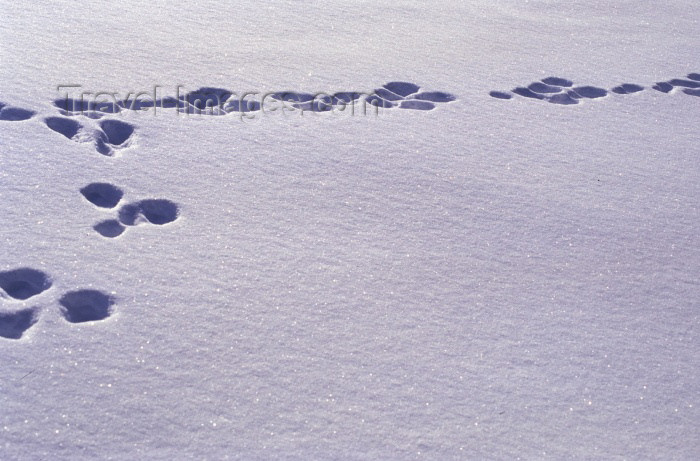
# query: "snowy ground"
489,279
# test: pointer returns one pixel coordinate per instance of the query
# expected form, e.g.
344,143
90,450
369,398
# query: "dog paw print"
107,196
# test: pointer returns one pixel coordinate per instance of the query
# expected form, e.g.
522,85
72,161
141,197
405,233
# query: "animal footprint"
109,136
103,195
558,90
627,88
690,85
154,211
110,228
14,324
114,134
107,196
67,127
20,285
220,101
406,95
14,114
23,283
86,306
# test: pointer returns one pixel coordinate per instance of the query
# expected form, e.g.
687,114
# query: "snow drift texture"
497,276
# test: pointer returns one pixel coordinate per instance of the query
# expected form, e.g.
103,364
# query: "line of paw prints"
402,95
557,90
22,284
220,101
107,196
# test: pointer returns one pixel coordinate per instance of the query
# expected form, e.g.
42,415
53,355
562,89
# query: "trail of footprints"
23,284
220,101
557,90
109,136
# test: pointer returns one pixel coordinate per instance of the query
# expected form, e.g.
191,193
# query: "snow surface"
490,279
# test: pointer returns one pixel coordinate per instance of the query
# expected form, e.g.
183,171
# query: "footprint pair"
20,285
108,196
109,136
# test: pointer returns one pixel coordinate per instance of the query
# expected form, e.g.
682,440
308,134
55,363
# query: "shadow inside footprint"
402,89
684,83
558,81
663,87
15,114
208,97
71,105
527,93
14,324
117,132
387,95
627,88
345,98
590,92
563,99
500,95
66,126
539,87
86,306
292,96
24,283
110,228
154,211
435,96
238,105
102,194
376,101
417,105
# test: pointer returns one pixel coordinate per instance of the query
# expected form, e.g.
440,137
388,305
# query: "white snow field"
472,275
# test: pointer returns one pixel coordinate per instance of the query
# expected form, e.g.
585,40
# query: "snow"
492,278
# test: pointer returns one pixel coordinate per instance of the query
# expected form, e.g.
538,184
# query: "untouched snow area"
497,277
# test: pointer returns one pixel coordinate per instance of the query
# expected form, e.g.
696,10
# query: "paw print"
23,285
107,196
